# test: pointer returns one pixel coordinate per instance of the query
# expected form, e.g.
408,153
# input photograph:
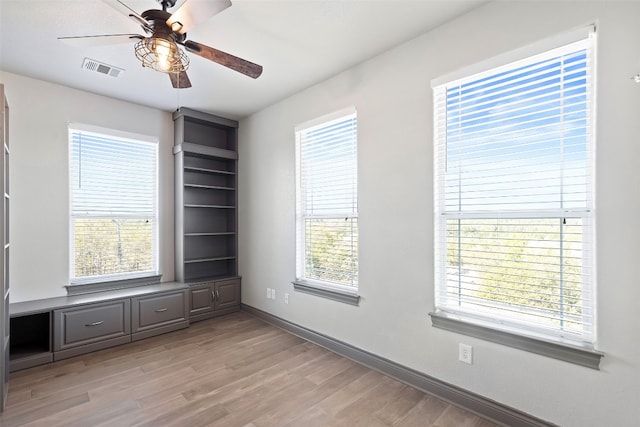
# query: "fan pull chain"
178,92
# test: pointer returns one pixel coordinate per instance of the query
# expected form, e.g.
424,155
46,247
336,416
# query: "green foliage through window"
112,246
332,250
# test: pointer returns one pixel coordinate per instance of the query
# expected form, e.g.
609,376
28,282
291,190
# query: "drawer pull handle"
160,310
218,295
213,295
94,323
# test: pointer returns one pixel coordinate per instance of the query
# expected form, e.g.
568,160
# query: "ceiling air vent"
101,67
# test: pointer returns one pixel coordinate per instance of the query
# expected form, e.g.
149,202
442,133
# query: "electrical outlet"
286,298
268,293
273,294
465,353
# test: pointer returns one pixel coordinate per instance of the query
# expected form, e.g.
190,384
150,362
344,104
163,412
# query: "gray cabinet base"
100,345
159,330
209,315
30,361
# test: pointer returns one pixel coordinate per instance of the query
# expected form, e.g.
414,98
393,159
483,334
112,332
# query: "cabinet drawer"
158,310
89,324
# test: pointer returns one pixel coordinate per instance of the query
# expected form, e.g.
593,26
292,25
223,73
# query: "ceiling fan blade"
238,64
99,40
194,12
127,11
180,80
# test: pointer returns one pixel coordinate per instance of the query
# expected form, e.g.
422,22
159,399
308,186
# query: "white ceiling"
298,42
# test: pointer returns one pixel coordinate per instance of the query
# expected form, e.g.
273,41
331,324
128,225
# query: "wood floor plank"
290,407
456,417
425,412
144,414
23,417
251,379
350,392
312,417
369,401
102,414
398,407
324,371
232,371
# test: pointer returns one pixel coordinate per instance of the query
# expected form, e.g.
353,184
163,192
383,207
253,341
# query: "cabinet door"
227,294
201,300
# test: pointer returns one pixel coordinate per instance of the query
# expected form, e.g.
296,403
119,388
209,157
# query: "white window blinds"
514,194
113,206
327,201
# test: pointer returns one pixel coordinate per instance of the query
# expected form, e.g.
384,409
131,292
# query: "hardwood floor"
231,371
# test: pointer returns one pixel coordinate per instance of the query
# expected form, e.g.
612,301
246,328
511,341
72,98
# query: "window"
514,195
113,205
327,205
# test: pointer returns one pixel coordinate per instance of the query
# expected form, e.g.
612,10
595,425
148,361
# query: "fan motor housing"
167,3
157,20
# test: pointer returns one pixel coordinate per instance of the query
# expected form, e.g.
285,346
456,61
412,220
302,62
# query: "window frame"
114,280
564,348
326,289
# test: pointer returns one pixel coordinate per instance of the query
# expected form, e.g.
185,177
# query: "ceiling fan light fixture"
176,26
161,54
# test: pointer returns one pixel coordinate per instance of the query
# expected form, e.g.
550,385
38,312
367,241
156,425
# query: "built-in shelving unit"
206,196
5,328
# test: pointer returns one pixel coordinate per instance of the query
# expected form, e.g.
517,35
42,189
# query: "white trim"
516,55
326,119
150,141
565,44
137,137
300,130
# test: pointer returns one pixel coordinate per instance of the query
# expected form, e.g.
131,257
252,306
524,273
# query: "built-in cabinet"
5,329
58,328
214,298
206,211
206,261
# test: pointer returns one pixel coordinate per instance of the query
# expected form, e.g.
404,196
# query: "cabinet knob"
213,295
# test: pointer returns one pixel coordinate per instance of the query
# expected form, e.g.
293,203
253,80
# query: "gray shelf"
193,148
203,170
206,156
223,258
210,206
226,233
209,187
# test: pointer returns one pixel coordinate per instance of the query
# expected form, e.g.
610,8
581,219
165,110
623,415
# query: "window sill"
578,355
89,287
327,292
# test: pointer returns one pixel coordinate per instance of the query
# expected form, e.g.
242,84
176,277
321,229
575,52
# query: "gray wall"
393,97
40,113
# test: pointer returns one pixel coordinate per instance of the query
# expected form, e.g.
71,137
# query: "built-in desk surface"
47,304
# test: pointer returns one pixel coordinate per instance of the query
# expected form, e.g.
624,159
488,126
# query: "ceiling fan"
165,33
